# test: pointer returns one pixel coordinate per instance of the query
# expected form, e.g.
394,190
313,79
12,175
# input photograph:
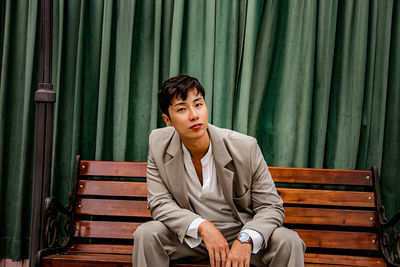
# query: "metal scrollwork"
390,242
395,253
391,250
58,231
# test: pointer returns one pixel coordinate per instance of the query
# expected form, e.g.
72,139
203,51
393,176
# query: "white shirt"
209,202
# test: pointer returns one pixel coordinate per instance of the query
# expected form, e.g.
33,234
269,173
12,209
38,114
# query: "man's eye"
199,104
181,109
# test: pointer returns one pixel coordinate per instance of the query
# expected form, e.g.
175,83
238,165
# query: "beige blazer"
241,171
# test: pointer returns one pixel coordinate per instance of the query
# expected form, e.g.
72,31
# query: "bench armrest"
55,227
390,243
53,202
58,230
393,221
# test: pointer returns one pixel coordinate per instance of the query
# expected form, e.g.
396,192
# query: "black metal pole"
45,98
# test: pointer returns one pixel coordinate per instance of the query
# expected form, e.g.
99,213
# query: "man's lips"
196,126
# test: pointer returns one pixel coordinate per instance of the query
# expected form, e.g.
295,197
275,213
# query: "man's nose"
193,115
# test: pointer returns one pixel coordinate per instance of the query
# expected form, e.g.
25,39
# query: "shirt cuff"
257,239
192,237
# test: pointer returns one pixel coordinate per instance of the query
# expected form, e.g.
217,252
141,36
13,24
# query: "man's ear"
166,119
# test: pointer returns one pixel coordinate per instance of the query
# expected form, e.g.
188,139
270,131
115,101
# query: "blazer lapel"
222,159
176,174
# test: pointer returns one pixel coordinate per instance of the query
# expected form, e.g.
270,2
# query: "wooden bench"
334,212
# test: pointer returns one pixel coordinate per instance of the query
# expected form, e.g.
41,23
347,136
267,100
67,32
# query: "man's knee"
148,244
287,239
150,230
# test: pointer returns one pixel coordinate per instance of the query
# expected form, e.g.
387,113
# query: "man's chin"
196,134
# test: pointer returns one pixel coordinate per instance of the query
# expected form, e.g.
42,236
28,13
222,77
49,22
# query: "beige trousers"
156,245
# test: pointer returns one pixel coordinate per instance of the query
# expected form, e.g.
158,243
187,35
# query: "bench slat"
71,259
280,174
293,215
328,265
327,197
337,217
112,168
112,188
308,257
312,238
98,259
87,259
111,207
289,195
104,229
343,259
321,176
339,239
101,248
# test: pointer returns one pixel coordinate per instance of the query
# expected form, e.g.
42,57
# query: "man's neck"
198,147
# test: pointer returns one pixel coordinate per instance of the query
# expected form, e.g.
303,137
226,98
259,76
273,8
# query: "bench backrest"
332,210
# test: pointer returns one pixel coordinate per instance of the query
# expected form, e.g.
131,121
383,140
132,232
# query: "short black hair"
178,87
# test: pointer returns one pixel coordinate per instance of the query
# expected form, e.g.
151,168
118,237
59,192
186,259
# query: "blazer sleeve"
267,205
161,203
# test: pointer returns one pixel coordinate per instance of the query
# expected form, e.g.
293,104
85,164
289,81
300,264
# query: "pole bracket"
45,93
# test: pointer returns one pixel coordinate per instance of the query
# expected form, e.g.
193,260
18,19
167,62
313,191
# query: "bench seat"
121,255
333,211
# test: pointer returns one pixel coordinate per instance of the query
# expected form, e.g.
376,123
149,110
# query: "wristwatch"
244,237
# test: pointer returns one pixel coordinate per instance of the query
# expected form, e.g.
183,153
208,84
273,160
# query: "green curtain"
19,77
316,82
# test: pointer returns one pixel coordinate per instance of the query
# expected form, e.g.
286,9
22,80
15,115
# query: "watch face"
243,237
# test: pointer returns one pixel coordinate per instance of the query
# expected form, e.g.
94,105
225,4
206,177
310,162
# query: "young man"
209,192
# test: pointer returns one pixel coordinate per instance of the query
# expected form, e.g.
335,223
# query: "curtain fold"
316,82
103,20
281,118
18,81
391,142
347,87
227,25
324,54
376,84
251,25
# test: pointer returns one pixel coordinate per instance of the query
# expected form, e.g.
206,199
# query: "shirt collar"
207,157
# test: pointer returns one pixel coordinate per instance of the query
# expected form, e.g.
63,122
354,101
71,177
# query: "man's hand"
239,255
215,242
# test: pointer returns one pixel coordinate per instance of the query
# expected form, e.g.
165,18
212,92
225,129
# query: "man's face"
189,117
